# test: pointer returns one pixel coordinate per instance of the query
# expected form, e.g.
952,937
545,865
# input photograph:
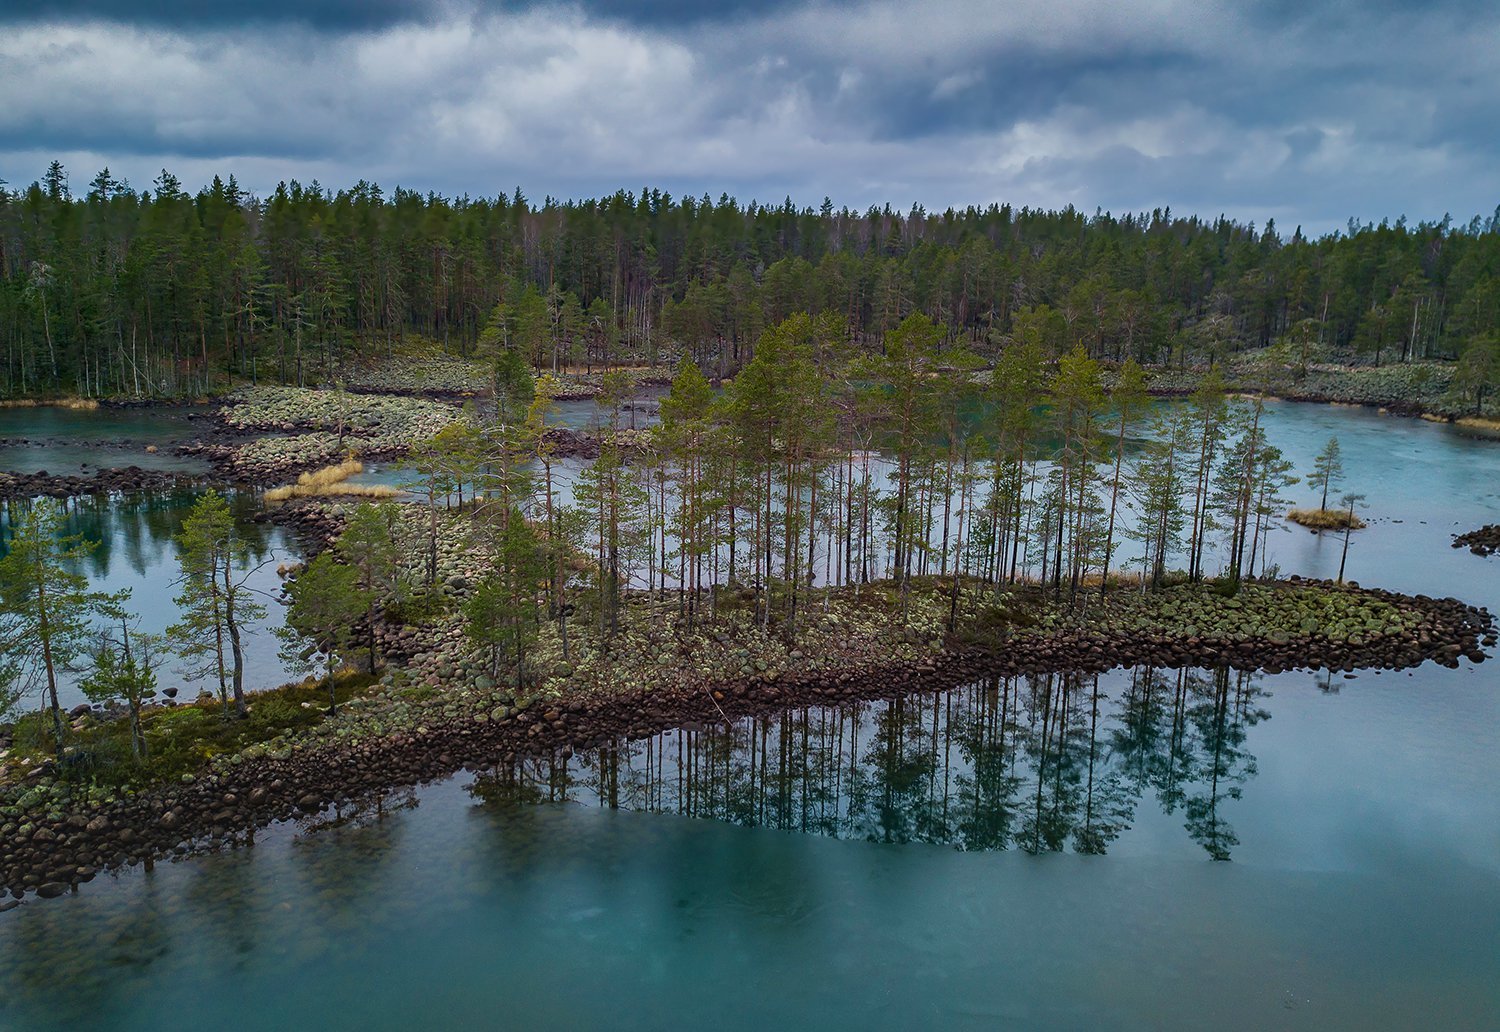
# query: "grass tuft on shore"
76,404
181,739
1326,519
331,481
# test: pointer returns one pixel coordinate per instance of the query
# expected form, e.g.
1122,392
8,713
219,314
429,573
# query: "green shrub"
33,733
1224,587
274,710
421,607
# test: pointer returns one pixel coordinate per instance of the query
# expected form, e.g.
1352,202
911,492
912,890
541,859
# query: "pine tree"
1275,473
430,461
504,611
1016,385
372,544
1349,501
164,292
1478,371
325,602
124,669
1130,400
1161,479
1328,470
1076,397
1208,405
903,375
685,413
216,601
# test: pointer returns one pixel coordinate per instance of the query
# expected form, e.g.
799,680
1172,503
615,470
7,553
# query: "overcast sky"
1307,112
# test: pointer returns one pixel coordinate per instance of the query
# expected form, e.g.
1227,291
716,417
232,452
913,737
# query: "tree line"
110,290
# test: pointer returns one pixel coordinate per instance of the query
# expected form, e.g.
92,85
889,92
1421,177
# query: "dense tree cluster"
823,464
110,290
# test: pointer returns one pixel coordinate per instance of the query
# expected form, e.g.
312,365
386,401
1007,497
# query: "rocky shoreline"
567,443
103,481
1417,389
1403,407
1484,541
50,844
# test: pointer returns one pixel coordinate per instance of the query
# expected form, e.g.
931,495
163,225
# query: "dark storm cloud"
328,14
1308,113
991,95
336,15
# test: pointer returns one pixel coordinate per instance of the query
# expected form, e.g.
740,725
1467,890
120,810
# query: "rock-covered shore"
1484,541
1405,389
104,481
566,442
261,437
51,841
267,435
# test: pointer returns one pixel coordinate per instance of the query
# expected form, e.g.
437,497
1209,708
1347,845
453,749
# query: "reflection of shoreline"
1040,764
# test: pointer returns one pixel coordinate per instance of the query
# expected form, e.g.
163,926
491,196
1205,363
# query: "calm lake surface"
65,441
1025,853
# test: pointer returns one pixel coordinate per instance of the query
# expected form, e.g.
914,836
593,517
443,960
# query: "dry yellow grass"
79,404
1325,519
330,481
1480,423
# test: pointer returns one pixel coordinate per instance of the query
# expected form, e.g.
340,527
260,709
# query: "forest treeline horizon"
111,291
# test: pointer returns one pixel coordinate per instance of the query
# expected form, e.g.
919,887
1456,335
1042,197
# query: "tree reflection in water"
136,529
1046,763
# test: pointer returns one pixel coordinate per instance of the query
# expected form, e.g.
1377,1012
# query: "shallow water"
640,411
77,442
937,863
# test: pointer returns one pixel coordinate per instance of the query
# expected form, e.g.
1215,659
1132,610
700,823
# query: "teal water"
65,441
938,863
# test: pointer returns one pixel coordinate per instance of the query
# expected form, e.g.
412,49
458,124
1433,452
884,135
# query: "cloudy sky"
1307,112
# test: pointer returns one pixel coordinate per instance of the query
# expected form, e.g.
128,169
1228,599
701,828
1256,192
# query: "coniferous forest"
107,290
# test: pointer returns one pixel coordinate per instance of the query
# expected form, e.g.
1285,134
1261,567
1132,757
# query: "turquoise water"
69,442
939,863
642,410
